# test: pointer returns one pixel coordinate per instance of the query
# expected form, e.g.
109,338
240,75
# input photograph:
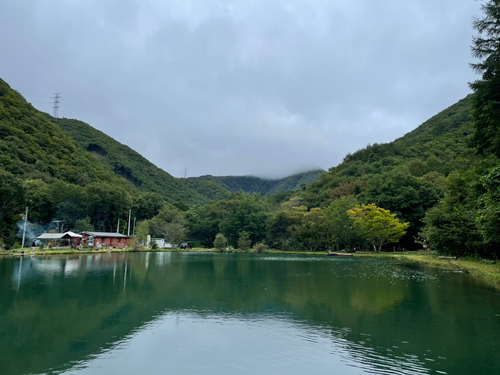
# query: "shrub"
220,242
244,241
259,247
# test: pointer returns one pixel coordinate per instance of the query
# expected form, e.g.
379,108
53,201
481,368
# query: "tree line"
243,220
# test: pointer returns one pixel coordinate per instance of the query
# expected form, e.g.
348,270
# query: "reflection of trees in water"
71,315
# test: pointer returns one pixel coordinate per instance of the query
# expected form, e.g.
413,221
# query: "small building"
104,240
74,239
54,239
162,244
66,239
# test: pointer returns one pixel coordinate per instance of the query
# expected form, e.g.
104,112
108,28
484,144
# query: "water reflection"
227,313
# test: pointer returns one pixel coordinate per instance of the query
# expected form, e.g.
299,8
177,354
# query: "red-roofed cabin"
103,240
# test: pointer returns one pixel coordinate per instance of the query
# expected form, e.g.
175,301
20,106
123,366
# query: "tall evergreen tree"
486,99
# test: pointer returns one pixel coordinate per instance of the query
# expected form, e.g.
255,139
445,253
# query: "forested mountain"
127,163
406,176
439,145
44,169
32,147
253,184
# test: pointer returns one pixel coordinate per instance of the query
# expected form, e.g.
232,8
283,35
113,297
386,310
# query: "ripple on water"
271,345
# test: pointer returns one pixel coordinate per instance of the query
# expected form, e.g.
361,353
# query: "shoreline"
485,270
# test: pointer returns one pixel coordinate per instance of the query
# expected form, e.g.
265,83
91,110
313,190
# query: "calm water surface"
193,313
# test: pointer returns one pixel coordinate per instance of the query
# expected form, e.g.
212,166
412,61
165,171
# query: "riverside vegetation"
437,186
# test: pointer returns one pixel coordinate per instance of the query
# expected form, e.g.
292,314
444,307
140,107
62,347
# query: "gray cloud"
241,87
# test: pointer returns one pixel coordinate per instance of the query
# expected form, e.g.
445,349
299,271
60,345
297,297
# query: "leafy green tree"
279,197
145,206
376,225
220,242
346,189
83,225
203,223
72,204
279,229
451,225
183,206
170,214
244,241
486,100
488,215
106,204
339,226
309,229
41,200
174,232
11,206
418,168
170,223
239,212
142,232
243,212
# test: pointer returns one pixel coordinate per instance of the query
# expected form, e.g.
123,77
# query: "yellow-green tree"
376,225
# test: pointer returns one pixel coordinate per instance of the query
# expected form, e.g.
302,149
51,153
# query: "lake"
206,313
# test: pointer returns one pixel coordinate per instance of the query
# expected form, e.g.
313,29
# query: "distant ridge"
253,184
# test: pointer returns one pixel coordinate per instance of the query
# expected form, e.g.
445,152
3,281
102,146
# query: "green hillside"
84,187
44,169
32,147
127,163
406,176
253,184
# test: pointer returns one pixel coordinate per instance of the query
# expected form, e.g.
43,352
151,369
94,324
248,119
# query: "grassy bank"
486,270
483,269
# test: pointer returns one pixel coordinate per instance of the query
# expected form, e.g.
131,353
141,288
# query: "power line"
71,108
57,101
56,106
65,114
72,111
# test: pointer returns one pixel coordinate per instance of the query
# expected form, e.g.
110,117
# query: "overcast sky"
221,87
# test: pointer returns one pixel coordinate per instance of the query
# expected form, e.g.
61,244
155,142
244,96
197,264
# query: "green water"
192,313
